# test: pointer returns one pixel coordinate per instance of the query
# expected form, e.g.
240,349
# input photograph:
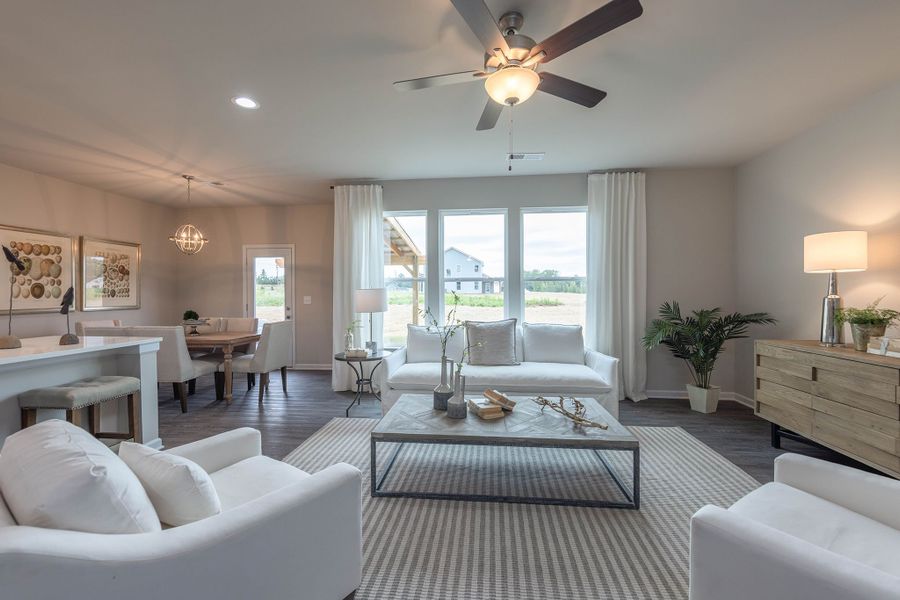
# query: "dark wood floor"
286,422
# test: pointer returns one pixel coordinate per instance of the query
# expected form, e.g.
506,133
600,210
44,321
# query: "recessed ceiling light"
245,102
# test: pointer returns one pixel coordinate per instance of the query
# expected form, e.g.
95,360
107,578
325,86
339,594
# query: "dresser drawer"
777,393
792,416
884,408
833,433
858,383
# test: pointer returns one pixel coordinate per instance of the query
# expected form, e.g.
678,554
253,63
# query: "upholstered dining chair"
173,362
81,325
273,352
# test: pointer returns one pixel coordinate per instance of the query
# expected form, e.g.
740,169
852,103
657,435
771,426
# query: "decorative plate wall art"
110,275
49,259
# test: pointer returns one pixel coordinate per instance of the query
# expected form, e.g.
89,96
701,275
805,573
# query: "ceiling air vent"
526,156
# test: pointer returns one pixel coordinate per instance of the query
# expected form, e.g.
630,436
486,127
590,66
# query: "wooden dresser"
846,400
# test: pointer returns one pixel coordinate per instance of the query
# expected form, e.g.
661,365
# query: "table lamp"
833,253
372,300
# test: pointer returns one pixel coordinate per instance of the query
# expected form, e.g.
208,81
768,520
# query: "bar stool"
87,393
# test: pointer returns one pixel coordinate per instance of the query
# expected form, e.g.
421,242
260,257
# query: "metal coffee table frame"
632,498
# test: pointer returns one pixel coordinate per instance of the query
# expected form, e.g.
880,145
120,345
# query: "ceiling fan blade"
437,80
490,116
603,20
570,90
483,24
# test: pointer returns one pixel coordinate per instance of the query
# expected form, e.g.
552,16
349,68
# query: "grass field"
540,307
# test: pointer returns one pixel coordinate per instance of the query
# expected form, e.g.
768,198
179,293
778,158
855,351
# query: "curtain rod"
331,187
623,170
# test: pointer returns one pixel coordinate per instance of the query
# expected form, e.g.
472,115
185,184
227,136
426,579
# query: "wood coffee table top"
413,419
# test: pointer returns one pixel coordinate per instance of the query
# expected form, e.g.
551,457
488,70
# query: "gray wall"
842,174
690,216
36,201
211,282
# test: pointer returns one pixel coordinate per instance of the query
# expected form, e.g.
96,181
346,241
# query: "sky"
552,240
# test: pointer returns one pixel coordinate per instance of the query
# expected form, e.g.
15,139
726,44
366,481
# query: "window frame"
423,271
544,209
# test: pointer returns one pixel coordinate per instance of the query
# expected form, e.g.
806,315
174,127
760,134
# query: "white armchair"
821,531
282,534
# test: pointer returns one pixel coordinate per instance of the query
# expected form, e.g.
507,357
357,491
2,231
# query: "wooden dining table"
227,341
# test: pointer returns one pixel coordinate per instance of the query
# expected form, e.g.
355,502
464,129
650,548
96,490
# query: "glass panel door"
269,286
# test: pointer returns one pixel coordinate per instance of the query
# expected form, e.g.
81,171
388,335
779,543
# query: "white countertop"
39,348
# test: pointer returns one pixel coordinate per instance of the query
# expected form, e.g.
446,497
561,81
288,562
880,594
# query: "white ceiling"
125,95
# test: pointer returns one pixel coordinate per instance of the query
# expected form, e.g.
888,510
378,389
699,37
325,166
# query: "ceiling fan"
511,60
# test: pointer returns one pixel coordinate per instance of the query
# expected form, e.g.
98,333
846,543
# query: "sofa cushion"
492,342
57,476
548,342
181,491
423,345
524,378
824,524
252,478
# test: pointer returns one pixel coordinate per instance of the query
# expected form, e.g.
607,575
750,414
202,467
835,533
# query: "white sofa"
820,531
596,376
282,533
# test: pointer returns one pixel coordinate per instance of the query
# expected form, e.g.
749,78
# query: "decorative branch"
578,416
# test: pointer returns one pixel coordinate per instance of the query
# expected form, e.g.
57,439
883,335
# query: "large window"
474,256
554,265
405,265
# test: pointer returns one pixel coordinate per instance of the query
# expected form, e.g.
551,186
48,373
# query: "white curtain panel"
358,264
617,275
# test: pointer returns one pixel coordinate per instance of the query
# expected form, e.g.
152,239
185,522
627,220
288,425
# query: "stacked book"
501,400
494,405
485,409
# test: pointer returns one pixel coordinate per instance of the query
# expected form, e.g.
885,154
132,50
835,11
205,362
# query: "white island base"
42,362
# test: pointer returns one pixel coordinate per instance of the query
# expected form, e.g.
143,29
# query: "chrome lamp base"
831,333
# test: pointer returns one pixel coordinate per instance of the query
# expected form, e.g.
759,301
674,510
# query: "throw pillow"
58,476
181,491
424,346
492,342
551,343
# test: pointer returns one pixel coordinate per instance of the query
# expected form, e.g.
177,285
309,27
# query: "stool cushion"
80,393
181,491
57,476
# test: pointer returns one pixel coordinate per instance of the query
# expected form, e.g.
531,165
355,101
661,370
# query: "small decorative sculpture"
578,414
10,341
69,337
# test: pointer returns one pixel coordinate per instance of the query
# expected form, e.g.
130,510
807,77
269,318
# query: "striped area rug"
437,549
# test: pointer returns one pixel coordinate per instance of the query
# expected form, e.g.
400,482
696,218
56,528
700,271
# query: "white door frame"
290,294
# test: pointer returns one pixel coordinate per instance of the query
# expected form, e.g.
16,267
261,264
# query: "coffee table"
413,420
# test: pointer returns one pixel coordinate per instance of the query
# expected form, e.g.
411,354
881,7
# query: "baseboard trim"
682,395
311,367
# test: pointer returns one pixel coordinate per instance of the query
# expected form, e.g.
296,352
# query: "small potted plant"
698,340
866,322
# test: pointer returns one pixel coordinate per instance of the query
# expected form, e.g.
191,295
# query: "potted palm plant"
698,340
866,322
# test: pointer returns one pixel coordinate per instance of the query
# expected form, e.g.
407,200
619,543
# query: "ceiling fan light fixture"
512,85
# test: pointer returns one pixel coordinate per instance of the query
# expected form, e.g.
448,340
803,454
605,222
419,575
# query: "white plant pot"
702,399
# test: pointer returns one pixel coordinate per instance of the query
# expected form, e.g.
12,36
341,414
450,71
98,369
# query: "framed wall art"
49,260
110,275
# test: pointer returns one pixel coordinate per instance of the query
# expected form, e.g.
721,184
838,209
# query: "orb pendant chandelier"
188,237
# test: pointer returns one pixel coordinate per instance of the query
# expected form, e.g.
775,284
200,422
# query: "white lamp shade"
838,251
373,300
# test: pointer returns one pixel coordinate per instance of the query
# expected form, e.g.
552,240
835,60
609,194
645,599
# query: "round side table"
361,380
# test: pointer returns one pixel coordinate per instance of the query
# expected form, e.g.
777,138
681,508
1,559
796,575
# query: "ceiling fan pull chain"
509,154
